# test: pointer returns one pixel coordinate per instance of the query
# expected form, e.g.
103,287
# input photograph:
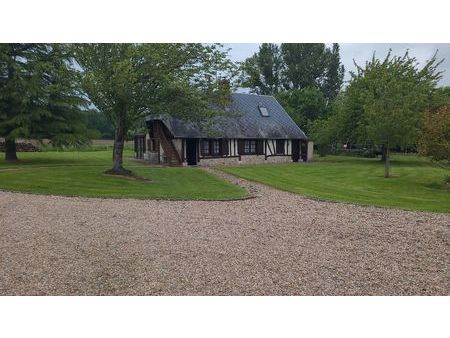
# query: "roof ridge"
252,94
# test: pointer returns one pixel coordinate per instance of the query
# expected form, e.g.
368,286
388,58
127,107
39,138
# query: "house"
253,129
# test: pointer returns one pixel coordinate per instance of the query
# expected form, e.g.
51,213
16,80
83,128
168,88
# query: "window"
263,110
280,147
249,147
216,147
205,147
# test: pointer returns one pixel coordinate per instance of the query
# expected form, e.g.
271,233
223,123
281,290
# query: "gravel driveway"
274,244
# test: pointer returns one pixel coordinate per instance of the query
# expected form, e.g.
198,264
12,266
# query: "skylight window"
263,110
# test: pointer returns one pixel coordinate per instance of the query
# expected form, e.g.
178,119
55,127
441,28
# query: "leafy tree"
128,81
334,128
305,65
39,96
262,71
98,121
334,73
290,66
393,93
303,105
63,105
306,78
434,139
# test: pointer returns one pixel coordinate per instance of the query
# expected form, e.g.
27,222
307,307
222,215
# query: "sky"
362,52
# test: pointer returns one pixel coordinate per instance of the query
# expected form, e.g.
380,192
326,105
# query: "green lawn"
417,183
81,174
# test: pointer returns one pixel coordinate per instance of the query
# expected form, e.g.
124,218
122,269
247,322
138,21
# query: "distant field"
82,174
417,184
108,143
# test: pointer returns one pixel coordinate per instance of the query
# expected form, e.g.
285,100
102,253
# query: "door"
295,150
191,151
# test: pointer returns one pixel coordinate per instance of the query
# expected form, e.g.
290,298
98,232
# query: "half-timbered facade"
254,129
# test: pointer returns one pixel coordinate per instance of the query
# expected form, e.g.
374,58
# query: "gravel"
274,244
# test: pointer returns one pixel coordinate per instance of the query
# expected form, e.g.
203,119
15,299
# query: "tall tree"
63,104
39,95
305,65
128,81
394,93
334,74
16,86
303,105
262,71
305,77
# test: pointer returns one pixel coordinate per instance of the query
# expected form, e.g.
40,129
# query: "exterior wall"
233,147
309,155
233,158
161,153
178,143
259,159
219,161
270,146
245,159
151,157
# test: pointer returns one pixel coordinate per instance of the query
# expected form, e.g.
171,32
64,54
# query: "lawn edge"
321,199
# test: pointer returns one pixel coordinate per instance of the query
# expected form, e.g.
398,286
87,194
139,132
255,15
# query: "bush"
447,179
434,139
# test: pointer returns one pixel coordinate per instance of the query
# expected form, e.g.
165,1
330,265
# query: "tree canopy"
384,103
39,95
128,81
305,77
434,137
294,66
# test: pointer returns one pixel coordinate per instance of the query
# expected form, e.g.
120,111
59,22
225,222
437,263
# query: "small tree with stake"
394,92
128,81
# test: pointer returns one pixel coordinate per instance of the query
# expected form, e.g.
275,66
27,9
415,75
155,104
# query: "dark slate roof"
244,120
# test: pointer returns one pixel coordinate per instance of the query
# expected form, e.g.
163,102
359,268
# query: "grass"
416,184
82,174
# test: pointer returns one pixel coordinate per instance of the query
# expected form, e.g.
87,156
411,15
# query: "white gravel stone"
274,244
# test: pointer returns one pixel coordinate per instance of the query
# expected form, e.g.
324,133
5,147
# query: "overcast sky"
361,52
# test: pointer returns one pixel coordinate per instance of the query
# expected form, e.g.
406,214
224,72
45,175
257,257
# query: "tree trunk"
387,163
119,141
10,150
383,153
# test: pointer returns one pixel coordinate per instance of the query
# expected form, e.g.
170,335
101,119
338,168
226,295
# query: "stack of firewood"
21,146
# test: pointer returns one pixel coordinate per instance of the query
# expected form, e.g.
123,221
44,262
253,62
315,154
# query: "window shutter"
224,147
241,147
260,147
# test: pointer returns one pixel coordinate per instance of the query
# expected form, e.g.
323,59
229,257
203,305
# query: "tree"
337,127
39,96
63,119
290,66
303,105
434,139
262,71
394,93
128,81
16,86
305,65
334,74
98,121
306,78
